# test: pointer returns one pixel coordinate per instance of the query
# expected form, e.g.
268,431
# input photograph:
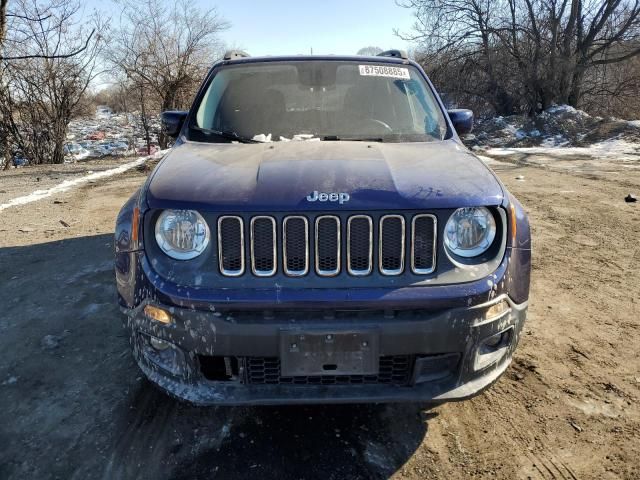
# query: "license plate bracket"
328,352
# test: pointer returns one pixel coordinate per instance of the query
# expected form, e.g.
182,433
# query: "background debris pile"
558,126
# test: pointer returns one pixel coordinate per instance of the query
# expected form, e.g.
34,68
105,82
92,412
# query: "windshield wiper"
227,135
336,138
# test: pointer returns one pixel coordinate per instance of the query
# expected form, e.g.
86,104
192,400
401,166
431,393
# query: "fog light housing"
493,348
163,354
495,342
157,314
158,344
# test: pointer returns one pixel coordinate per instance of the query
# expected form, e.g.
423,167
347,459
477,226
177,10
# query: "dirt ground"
74,406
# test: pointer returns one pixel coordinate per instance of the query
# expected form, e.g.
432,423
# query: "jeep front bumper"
208,357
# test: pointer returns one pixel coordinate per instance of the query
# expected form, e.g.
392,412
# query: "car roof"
328,58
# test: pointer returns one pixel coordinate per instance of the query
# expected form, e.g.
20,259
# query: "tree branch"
54,56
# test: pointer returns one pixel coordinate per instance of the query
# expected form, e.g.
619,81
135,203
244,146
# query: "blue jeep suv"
319,234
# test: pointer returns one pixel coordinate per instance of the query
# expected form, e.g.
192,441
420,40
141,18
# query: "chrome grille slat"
395,253
423,243
231,245
295,245
359,245
391,241
327,245
263,246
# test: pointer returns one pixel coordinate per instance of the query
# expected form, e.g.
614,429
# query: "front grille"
327,245
359,245
263,246
423,252
295,234
392,244
393,370
231,245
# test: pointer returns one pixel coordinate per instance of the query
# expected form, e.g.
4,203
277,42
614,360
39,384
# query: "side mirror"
172,122
462,120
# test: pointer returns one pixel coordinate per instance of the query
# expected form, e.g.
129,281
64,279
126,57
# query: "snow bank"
68,184
558,126
566,109
610,149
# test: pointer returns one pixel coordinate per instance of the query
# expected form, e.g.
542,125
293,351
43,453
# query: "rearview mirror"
462,120
172,122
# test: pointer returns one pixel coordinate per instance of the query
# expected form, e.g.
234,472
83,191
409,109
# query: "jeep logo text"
331,197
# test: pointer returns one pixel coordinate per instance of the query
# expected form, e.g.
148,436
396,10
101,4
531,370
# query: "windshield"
319,100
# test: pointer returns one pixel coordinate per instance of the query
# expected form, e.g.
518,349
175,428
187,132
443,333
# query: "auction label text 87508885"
384,71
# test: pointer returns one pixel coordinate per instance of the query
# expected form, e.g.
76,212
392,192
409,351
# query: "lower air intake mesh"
393,370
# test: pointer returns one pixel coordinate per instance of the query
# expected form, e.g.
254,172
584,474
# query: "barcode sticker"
384,71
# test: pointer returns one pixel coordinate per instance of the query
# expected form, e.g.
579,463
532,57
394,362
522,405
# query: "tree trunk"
58,135
575,91
163,140
4,151
3,21
58,151
503,102
145,121
168,103
4,145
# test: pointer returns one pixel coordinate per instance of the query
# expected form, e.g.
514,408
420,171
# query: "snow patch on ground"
554,141
557,109
611,149
68,184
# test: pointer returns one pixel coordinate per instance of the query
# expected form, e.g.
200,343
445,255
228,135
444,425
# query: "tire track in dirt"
499,407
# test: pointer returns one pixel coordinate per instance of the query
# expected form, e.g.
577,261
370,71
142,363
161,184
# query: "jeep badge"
331,197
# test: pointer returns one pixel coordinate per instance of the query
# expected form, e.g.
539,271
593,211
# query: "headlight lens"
182,234
470,231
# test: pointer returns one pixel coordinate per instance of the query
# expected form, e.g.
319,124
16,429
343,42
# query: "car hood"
279,176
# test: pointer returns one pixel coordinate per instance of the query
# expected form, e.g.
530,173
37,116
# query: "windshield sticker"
384,71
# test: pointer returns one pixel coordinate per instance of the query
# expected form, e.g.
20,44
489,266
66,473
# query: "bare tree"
613,89
166,48
118,96
44,16
546,49
41,87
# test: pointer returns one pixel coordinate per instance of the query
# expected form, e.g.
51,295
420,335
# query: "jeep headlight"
182,234
470,231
